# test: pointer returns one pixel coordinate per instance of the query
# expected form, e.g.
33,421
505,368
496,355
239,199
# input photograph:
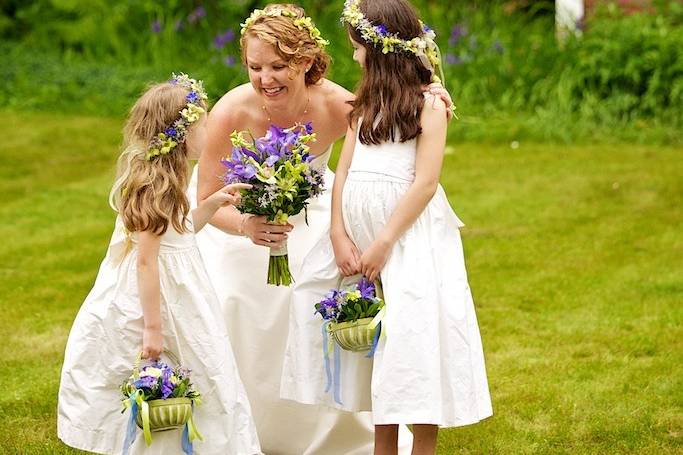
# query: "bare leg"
386,439
424,439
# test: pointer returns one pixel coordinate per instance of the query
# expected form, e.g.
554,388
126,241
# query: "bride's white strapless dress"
257,317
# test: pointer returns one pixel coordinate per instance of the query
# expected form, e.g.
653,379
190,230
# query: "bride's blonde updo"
293,35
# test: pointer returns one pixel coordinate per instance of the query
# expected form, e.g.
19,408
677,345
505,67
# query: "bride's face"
270,75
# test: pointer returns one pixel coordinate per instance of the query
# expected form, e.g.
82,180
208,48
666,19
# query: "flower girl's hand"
228,195
373,259
346,255
152,343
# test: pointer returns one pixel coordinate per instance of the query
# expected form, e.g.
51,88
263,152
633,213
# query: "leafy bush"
506,70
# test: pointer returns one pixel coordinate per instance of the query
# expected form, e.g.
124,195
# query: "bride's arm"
221,122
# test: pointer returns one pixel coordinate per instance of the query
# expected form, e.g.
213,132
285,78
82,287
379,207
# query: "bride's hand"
346,255
262,233
440,91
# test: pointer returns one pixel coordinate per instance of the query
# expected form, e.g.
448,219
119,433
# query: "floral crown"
176,133
303,23
424,46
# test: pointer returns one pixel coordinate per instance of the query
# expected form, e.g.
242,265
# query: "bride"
286,61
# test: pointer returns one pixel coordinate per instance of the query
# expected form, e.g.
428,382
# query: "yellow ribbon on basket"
377,319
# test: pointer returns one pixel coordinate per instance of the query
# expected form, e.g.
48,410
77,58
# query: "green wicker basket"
353,336
167,414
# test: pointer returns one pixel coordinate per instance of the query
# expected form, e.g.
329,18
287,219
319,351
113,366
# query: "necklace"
267,112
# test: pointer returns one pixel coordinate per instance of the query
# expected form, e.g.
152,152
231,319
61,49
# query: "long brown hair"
389,96
150,194
291,43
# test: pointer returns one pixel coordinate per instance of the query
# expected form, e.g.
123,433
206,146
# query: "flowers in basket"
351,320
160,398
350,312
278,166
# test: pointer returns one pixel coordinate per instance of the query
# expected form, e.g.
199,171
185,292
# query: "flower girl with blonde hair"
152,292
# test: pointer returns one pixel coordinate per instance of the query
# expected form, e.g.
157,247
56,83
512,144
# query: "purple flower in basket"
366,288
146,382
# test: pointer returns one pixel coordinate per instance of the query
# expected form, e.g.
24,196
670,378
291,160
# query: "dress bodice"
391,159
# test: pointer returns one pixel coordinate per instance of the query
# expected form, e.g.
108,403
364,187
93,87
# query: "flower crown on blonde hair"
303,23
424,46
164,142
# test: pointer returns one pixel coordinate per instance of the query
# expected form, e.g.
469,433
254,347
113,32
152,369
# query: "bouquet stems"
278,267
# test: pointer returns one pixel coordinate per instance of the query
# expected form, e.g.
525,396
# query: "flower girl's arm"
346,253
430,148
228,195
150,293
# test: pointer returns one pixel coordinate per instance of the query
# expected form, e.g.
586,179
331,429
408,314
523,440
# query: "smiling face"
271,76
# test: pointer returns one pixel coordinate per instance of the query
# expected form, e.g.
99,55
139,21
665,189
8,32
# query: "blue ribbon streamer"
375,341
132,429
337,373
332,382
185,438
326,356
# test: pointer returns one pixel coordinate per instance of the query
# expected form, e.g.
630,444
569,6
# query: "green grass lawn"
574,255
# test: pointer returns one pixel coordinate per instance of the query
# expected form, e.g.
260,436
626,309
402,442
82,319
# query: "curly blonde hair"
292,44
150,194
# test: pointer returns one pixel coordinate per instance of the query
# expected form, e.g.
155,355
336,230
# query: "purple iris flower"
166,384
229,60
198,13
457,32
453,59
366,288
156,26
271,160
224,38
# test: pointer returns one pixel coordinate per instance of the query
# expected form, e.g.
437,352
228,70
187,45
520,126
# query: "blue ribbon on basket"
333,382
185,438
375,341
131,430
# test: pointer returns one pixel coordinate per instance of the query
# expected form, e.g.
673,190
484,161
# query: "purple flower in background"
224,38
178,26
156,26
498,47
453,59
198,13
229,61
457,32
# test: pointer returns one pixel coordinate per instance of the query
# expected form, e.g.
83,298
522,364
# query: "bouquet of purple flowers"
278,166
